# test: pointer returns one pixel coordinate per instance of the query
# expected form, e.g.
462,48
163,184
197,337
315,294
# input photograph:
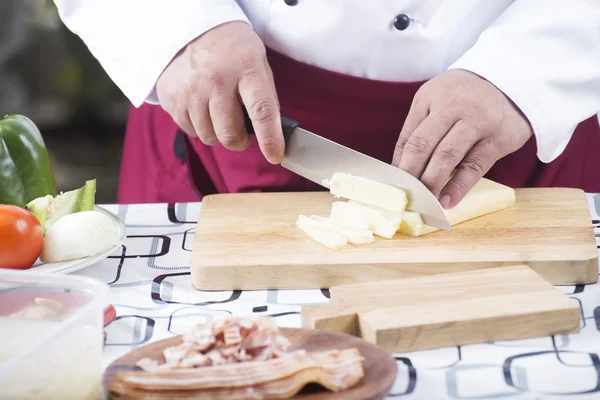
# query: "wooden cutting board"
448,309
250,241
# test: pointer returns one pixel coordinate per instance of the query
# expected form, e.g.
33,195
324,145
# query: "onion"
78,235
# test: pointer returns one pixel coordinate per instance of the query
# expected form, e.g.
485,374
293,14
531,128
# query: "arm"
545,56
200,59
135,40
534,71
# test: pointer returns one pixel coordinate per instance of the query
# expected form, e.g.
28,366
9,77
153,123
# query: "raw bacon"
280,378
222,342
238,358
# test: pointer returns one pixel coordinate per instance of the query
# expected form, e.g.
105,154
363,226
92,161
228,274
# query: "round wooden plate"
379,367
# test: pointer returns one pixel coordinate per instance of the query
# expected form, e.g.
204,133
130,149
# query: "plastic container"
51,336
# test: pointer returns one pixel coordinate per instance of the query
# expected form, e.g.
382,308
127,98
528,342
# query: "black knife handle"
287,125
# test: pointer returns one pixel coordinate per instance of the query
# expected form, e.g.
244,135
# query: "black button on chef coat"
291,2
401,22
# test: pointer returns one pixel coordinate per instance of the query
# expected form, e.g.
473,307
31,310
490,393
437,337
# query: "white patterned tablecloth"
152,293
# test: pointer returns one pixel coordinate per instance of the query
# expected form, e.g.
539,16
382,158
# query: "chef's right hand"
205,85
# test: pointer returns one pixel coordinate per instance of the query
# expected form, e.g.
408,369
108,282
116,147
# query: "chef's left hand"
458,120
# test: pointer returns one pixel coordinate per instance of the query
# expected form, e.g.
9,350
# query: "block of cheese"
485,197
352,214
368,191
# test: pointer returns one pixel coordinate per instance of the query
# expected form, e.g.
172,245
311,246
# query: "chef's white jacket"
543,54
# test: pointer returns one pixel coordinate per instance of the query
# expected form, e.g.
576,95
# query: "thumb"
263,109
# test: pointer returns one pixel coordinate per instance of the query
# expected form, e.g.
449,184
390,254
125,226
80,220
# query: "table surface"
150,286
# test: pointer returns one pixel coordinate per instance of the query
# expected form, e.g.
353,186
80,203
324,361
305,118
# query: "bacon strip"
238,358
274,379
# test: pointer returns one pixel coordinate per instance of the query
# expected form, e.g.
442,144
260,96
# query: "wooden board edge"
412,280
310,276
586,271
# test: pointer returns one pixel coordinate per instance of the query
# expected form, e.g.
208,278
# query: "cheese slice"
368,191
411,222
352,236
351,214
326,238
485,197
348,218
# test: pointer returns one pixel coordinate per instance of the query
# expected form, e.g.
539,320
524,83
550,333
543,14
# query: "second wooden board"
250,241
448,309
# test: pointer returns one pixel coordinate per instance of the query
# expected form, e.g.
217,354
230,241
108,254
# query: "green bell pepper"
25,170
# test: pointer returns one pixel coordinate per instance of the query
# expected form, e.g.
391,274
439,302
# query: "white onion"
79,235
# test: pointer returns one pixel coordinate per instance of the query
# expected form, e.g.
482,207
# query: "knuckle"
269,144
460,184
400,144
167,103
215,81
247,60
446,154
417,145
420,97
229,137
432,183
490,143
474,108
263,111
208,139
397,152
185,91
449,113
473,168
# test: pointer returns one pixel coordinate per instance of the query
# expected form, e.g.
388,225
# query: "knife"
317,159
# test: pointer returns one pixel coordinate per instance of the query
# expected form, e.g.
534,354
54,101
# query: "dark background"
47,74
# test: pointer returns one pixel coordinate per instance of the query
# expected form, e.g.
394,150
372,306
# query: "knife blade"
317,159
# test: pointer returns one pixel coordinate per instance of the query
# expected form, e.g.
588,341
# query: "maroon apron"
161,164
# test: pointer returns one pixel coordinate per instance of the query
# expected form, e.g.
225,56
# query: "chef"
507,89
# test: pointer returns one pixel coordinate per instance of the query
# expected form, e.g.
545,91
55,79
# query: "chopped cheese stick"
346,212
368,191
326,238
352,236
412,224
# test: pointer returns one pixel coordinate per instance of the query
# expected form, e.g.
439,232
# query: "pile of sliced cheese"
376,209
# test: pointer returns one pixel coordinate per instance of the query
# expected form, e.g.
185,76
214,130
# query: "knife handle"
287,125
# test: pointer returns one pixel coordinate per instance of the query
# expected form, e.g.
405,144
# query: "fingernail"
445,200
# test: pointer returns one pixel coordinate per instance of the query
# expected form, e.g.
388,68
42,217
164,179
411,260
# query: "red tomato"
21,237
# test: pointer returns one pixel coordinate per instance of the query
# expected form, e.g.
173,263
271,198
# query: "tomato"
21,237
